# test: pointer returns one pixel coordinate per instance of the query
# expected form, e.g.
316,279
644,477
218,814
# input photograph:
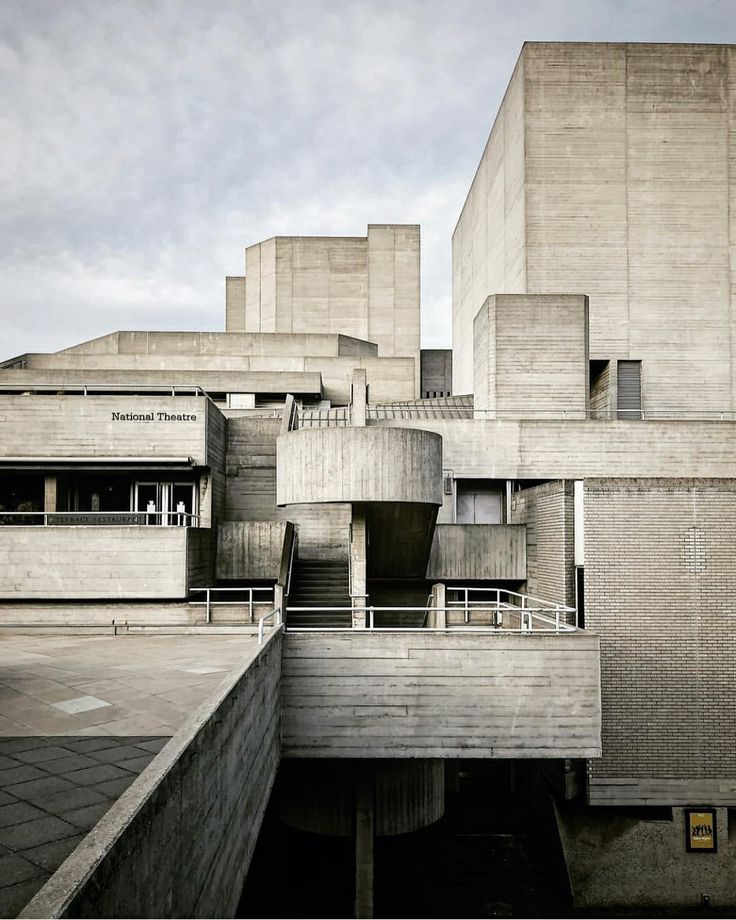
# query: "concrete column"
359,566
49,493
438,616
205,500
365,821
359,398
278,598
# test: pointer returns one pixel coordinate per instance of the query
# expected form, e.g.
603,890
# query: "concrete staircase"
319,583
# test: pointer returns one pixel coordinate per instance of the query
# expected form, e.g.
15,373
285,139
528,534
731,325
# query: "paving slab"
80,718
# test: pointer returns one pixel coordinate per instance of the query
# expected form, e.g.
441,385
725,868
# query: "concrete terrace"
80,718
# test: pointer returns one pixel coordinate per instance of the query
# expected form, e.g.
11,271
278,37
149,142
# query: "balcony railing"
510,610
99,518
501,618
231,597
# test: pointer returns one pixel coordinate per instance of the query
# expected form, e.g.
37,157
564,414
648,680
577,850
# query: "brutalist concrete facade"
583,475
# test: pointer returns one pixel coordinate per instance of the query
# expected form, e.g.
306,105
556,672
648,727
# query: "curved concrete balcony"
357,464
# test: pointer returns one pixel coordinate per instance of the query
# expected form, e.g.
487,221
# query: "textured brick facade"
660,589
547,511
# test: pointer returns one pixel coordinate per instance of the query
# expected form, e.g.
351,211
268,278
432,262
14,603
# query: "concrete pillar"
359,397
278,598
205,501
49,493
438,616
365,827
359,566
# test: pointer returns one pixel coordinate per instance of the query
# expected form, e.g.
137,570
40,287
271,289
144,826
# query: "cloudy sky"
145,143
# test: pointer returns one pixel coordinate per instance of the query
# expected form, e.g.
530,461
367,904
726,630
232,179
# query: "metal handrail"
336,417
168,518
525,602
88,389
208,602
278,620
529,620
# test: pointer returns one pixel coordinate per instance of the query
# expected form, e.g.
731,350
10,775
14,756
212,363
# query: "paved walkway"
80,717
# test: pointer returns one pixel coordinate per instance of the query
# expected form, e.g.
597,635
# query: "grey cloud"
144,144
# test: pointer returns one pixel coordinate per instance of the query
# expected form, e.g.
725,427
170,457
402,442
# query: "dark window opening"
629,389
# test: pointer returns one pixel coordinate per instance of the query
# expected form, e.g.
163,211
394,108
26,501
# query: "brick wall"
547,511
660,588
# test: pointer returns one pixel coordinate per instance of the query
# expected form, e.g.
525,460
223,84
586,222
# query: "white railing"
101,389
506,618
509,606
106,518
277,621
247,599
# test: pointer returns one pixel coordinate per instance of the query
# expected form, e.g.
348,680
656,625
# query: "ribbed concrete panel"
420,694
477,552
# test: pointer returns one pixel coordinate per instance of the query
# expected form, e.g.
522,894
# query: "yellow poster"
701,829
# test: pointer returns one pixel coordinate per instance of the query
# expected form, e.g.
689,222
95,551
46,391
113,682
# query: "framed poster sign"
700,830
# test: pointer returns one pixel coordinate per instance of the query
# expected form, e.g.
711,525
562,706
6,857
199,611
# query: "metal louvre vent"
629,389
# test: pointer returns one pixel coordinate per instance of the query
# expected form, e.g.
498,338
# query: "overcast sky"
144,144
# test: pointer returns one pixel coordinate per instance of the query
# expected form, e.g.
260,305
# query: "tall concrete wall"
488,246
420,694
659,589
179,841
625,170
547,513
530,355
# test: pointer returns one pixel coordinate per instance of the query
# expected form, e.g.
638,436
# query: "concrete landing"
80,718
104,685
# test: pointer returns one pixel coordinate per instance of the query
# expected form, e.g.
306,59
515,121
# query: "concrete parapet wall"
213,344
250,549
179,841
101,562
424,694
576,449
104,426
478,552
359,465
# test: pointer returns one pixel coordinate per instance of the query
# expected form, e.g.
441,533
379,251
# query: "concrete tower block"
530,355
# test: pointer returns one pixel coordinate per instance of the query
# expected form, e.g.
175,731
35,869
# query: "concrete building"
529,581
